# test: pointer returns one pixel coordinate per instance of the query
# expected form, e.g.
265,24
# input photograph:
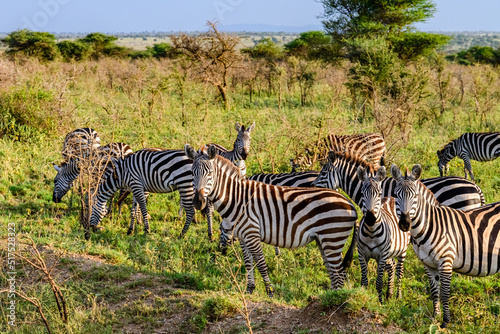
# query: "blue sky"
189,15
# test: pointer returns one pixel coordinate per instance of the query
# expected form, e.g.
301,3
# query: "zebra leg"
379,284
187,204
254,245
110,205
140,197
133,212
277,251
433,275
399,273
332,258
209,211
390,267
467,167
363,262
445,271
247,256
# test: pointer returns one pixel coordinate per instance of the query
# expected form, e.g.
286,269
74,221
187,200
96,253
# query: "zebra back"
297,179
80,143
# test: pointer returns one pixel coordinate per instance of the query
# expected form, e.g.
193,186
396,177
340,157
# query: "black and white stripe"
147,170
80,143
445,239
379,236
297,179
340,171
281,216
367,146
470,146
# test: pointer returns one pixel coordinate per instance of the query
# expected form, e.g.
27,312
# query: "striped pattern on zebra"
69,170
241,147
147,171
379,236
340,171
445,239
281,216
79,143
367,146
297,179
470,146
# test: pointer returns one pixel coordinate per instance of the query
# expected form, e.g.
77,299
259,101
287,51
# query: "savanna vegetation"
157,282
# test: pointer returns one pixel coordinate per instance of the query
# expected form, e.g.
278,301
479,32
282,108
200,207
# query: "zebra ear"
251,127
416,171
212,152
237,126
381,173
396,172
190,152
56,167
361,173
331,156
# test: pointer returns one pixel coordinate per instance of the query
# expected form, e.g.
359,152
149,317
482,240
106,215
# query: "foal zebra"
470,146
379,237
70,169
368,146
281,216
341,172
147,171
446,239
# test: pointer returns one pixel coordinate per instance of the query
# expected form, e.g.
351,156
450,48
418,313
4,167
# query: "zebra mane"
354,160
227,166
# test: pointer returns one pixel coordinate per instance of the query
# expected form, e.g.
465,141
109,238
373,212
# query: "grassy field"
158,283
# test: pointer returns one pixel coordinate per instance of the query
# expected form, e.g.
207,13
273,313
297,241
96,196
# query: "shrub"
218,307
73,50
41,45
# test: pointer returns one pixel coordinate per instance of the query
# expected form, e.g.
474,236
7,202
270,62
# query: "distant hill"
268,28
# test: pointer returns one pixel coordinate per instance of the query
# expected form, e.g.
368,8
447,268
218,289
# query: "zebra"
241,147
147,171
280,216
69,170
470,146
295,179
79,143
379,237
445,239
340,171
367,146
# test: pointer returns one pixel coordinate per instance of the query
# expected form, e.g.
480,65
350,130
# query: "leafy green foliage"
41,45
412,45
265,49
477,55
74,50
314,45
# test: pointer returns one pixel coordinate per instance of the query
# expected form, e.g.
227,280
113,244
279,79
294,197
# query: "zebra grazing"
340,171
147,171
241,147
367,146
280,216
69,170
445,239
470,146
379,237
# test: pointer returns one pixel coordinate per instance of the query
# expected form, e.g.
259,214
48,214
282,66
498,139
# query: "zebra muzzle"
370,218
404,222
199,200
56,199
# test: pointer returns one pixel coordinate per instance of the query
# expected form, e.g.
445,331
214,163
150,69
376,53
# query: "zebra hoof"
129,231
87,235
250,289
223,250
270,291
444,325
96,228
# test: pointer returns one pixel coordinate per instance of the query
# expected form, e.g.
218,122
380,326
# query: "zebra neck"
420,224
350,183
227,191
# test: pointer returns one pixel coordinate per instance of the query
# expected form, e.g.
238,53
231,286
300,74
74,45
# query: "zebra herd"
445,218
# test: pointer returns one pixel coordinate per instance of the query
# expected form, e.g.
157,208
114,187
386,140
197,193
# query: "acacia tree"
215,54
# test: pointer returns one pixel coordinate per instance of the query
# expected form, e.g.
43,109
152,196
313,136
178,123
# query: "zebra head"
329,176
203,174
406,195
444,156
371,191
242,142
66,174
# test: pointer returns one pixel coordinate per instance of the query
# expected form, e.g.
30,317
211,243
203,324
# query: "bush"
218,307
73,50
41,45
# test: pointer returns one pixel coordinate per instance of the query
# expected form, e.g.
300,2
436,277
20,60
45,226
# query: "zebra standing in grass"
379,236
470,146
69,170
368,146
341,172
281,216
446,239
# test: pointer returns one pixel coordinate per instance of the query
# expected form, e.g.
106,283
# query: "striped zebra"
340,171
147,171
367,146
445,239
379,236
281,216
69,170
80,143
294,179
470,146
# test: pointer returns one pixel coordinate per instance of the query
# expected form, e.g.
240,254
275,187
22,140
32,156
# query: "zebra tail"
346,262
122,197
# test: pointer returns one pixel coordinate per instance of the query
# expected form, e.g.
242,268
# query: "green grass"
137,281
